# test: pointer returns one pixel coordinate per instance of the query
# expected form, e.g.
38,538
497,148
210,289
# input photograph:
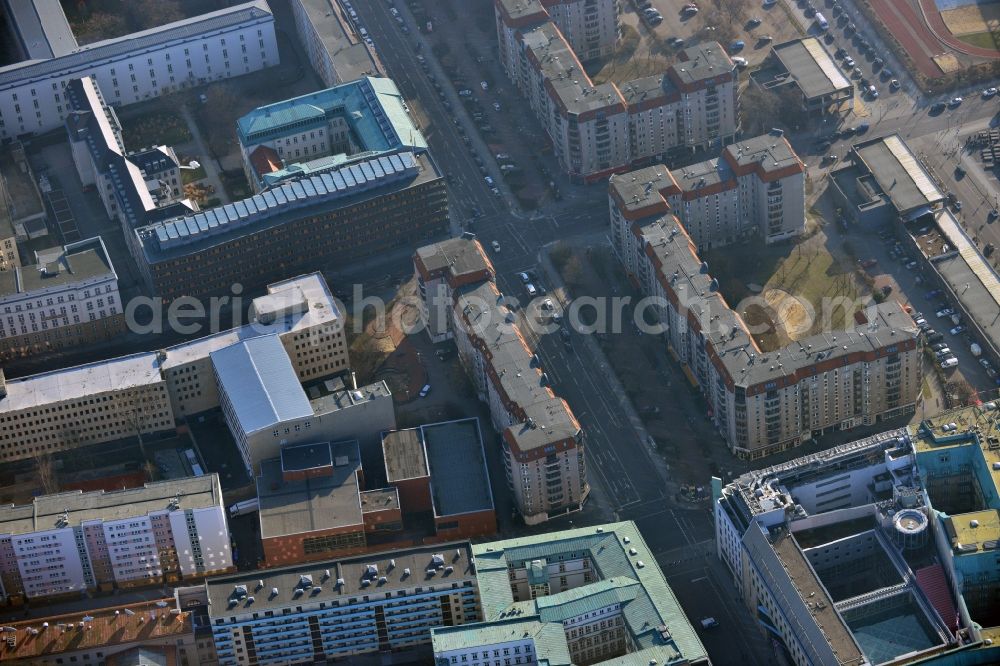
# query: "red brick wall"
470,525
414,494
279,551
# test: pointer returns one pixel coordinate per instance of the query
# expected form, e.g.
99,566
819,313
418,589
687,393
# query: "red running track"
922,41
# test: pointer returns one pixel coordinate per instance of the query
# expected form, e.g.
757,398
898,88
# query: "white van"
822,22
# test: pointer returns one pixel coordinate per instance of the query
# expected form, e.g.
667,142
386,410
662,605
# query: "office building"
877,551
22,211
542,440
761,401
68,298
882,181
71,543
590,595
756,188
143,393
149,633
597,130
313,505
335,50
326,130
132,68
339,609
328,218
442,268
806,67
135,188
441,468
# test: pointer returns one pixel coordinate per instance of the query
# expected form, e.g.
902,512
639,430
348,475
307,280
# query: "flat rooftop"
973,427
350,57
813,68
46,512
331,395
812,592
460,482
380,499
703,61
317,503
20,197
899,174
92,630
85,260
643,192
978,528
768,152
970,277
404,455
460,256
403,570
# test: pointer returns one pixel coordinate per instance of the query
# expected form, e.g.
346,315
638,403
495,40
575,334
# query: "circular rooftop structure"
911,528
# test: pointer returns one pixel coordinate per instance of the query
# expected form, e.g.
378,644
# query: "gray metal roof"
42,27
245,215
261,383
706,60
461,256
82,59
899,173
810,64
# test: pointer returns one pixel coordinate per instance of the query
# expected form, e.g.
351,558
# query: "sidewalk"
197,149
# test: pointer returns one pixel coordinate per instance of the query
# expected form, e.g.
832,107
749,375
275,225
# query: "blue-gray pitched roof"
260,383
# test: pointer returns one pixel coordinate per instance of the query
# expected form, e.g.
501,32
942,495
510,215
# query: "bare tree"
734,10
45,469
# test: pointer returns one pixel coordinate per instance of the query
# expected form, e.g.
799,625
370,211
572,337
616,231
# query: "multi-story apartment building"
542,440
339,609
134,187
150,632
893,535
442,268
591,27
599,130
68,298
335,50
582,596
324,130
341,214
757,187
143,393
73,542
761,401
141,66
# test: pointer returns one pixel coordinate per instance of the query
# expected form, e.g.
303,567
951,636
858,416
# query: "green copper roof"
549,639
657,626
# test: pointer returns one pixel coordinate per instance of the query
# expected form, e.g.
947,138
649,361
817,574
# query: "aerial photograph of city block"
500,332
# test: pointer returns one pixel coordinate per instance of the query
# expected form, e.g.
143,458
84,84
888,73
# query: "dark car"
938,107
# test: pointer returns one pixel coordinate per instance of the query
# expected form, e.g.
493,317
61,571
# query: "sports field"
976,24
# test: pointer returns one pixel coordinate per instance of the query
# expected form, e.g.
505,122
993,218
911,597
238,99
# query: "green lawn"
192,175
986,40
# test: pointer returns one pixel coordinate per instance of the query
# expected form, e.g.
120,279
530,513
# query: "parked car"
955,101
738,45
958,329
989,92
947,312
425,390
894,85
949,362
525,278
496,246
531,290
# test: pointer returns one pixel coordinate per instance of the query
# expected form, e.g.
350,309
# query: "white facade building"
73,542
140,66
